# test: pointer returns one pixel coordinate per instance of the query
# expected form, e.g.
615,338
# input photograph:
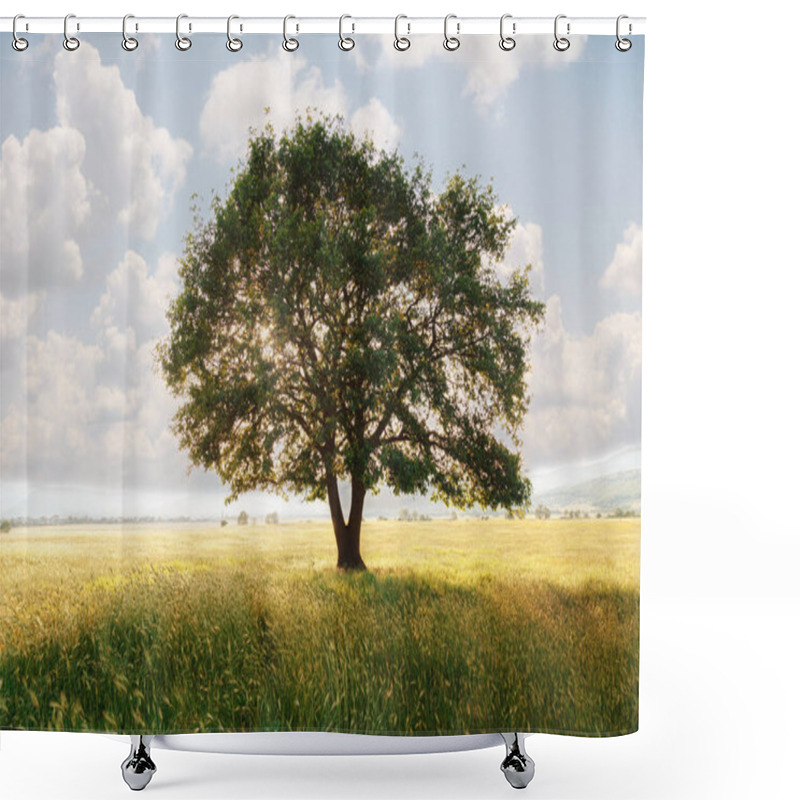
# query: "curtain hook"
70,42
289,44
623,45
561,43
451,42
346,42
181,42
233,44
18,43
401,42
129,43
507,42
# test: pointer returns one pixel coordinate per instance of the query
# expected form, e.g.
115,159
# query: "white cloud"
98,411
491,71
45,204
586,388
15,315
624,273
103,158
490,74
51,427
525,247
374,118
135,299
136,166
239,95
488,71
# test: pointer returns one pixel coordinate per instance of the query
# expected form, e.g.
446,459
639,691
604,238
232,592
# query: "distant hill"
605,494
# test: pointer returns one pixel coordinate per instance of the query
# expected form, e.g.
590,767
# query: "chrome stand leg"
517,766
138,768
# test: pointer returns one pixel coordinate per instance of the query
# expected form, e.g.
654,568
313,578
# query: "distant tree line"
574,514
245,519
86,519
619,512
412,516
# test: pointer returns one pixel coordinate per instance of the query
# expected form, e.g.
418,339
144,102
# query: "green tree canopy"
339,321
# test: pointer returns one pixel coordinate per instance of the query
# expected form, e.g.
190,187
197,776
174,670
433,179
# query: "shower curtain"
321,384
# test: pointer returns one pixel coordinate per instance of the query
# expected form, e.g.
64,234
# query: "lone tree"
339,321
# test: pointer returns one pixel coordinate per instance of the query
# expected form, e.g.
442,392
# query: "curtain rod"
462,26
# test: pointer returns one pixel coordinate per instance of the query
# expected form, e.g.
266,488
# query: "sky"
101,152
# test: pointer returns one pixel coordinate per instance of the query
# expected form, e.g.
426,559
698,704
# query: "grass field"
462,626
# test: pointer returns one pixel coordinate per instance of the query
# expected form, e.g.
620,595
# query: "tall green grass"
462,626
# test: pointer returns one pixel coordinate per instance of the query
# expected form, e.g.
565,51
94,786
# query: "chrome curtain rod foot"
517,766
138,768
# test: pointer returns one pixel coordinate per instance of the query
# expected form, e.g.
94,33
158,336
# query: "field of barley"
460,626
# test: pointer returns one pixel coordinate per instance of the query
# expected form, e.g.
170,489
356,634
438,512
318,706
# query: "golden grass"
460,626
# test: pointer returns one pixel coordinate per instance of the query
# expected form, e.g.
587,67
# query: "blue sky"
102,149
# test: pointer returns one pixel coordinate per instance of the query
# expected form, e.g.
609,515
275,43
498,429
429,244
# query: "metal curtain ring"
451,42
561,43
18,43
401,42
70,42
507,42
289,44
233,44
623,45
128,42
181,42
345,42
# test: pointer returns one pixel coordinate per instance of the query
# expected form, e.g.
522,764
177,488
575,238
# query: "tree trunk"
348,534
